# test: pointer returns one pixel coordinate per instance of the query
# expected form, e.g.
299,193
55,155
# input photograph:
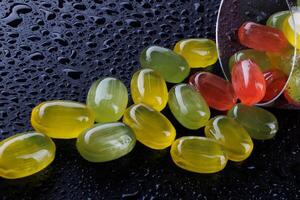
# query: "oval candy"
262,38
217,92
150,127
198,154
105,142
148,87
248,82
198,52
171,66
61,119
231,135
25,154
259,123
107,98
188,106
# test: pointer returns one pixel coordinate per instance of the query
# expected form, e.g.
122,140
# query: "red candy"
275,80
248,82
217,92
262,38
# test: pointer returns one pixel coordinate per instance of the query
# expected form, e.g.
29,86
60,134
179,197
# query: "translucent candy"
188,106
61,119
199,53
148,87
150,127
105,142
25,154
259,123
171,66
107,98
234,138
198,154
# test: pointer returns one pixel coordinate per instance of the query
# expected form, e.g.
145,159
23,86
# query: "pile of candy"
227,137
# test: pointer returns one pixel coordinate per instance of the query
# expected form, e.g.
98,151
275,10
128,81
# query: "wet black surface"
56,49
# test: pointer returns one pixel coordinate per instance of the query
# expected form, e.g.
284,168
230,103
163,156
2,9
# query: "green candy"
105,142
258,57
276,20
259,123
108,99
188,106
171,66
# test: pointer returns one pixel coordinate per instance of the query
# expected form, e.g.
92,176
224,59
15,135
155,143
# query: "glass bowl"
232,14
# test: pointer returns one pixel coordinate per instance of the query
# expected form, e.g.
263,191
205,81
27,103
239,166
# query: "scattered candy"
217,92
258,57
285,60
105,142
248,82
170,65
107,98
198,154
150,127
188,106
234,138
259,123
262,38
61,119
148,87
25,154
199,53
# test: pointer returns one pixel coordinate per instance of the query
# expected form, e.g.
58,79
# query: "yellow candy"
148,87
25,154
198,154
61,119
150,127
290,26
231,135
199,53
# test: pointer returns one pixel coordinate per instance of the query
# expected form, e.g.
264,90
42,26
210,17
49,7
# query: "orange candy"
262,38
248,82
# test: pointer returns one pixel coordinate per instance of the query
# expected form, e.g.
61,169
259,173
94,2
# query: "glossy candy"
61,119
188,106
108,99
262,38
25,154
217,92
248,82
258,57
277,19
198,154
259,123
148,87
290,26
150,127
275,82
293,87
234,138
105,142
199,53
171,66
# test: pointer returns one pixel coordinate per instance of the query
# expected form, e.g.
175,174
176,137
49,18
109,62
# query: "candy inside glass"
232,14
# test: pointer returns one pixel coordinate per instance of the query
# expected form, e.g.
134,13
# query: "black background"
56,49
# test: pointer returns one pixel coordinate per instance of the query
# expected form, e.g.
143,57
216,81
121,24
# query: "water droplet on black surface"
14,18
